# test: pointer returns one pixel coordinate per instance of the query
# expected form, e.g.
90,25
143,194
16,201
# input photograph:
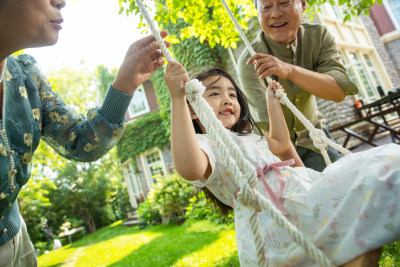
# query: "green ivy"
194,56
142,134
153,129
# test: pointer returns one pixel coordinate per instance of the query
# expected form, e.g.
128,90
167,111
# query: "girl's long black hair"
243,126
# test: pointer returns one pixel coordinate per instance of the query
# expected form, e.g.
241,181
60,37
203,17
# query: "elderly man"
303,57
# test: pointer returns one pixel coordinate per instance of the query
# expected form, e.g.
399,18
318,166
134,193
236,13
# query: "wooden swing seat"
369,259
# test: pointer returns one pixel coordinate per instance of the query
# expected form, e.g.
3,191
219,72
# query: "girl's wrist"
178,100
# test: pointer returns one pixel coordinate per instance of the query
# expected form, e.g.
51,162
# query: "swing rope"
320,140
248,194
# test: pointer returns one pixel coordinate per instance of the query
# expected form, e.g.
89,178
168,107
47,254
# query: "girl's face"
222,97
33,22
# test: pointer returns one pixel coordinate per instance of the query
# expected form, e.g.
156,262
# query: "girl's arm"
190,161
291,153
278,136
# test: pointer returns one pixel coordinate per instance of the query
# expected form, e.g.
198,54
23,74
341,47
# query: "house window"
393,9
133,185
335,12
155,165
130,175
139,104
362,71
372,70
331,11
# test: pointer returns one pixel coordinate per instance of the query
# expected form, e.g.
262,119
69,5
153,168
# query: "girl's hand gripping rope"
176,77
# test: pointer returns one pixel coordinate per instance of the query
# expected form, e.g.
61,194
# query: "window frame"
362,63
146,166
133,114
395,21
133,181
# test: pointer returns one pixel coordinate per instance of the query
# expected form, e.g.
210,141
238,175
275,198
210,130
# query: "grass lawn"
191,244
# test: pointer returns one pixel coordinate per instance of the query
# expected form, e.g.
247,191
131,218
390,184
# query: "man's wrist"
292,71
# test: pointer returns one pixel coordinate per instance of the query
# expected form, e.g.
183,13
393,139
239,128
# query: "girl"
347,210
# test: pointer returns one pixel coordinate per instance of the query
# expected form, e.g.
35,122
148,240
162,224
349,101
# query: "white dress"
350,208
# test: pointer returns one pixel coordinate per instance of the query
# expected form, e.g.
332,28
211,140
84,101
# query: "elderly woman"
30,110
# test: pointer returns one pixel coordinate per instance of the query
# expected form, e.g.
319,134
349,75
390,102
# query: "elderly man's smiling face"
280,19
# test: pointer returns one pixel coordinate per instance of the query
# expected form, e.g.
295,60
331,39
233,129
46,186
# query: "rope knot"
194,88
279,93
317,135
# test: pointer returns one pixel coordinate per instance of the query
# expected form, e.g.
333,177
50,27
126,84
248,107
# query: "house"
143,170
368,63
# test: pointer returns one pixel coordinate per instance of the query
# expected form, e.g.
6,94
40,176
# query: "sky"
93,32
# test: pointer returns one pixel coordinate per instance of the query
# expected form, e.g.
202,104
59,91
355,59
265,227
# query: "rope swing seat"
236,161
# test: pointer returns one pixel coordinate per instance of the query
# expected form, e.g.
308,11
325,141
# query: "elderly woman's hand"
142,59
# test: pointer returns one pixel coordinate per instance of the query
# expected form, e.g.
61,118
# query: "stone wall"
337,114
389,54
393,49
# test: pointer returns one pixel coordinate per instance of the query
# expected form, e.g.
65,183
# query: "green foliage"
172,195
390,255
352,8
81,192
173,198
201,208
207,20
142,134
202,56
75,87
35,208
168,198
60,190
148,213
104,78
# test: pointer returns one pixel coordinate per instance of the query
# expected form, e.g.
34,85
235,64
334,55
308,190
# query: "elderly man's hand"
266,65
142,59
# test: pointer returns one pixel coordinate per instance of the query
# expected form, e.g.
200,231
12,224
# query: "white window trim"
391,16
134,186
146,167
362,89
134,182
355,21
146,103
364,48
146,170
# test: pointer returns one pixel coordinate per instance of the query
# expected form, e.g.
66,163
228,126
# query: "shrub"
148,213
201,208
167,200
41,247
390,255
